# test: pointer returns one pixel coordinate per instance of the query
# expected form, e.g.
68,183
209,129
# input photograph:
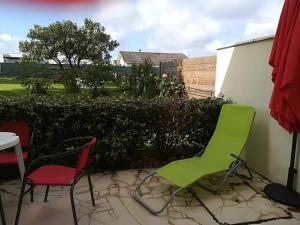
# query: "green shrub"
89,77
70,80
170,87
130,133
36,77
37,85
94,76
143,80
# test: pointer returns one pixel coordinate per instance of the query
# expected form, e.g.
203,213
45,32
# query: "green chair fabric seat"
221,154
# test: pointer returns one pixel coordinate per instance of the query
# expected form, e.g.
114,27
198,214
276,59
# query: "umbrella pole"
285,194
292,170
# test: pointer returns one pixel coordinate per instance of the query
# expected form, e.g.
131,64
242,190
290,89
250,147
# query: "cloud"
195,27
265,20
9,43
232,9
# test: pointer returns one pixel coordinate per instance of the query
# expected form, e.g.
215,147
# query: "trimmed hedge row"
130,133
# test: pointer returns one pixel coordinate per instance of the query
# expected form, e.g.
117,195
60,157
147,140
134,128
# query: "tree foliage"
144,81
66,42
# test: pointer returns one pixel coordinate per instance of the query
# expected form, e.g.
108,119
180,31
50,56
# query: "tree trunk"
70,62
58,62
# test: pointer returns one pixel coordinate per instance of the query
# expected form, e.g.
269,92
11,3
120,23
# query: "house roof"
12,55
155,57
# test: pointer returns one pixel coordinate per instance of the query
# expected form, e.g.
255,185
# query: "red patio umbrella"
285,104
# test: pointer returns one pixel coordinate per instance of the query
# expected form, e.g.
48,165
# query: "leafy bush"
143,81
170,87
70,80
94,76
36,77
130,133
90,77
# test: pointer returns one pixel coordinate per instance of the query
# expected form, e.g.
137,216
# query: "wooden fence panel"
198,74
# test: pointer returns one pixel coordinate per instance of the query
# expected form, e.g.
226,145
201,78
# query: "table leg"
2,212
18,152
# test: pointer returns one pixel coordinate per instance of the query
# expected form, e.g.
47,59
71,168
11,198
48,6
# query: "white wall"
243,74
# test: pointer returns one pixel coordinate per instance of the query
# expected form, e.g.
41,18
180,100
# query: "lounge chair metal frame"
231,170
230,136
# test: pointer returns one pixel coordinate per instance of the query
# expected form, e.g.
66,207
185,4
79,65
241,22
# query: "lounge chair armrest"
235,156
200,146
199,153
238,158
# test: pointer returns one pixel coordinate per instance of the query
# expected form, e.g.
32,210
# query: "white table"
8,140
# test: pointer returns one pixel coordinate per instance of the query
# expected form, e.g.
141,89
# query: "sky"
193,27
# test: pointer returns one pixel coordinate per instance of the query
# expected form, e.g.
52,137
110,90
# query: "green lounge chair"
221,154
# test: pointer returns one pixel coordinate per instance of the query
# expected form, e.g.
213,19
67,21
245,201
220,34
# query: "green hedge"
130,133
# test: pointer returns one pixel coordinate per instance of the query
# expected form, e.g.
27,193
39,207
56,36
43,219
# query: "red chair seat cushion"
9,158
52,175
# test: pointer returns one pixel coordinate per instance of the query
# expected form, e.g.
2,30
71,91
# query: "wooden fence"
198,74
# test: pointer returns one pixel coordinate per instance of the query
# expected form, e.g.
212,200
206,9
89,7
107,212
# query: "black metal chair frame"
2,212
46,160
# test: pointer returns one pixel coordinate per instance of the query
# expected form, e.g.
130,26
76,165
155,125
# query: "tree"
94,76
66,42
143,80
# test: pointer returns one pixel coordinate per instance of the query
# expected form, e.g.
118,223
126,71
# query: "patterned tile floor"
240,202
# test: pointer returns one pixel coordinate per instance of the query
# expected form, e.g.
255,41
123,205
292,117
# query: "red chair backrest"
84,157
20,128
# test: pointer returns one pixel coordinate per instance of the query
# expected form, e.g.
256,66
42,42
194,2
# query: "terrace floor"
240,202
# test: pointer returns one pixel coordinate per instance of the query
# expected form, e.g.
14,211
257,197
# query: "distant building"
8,63
16,58
10,58
127,58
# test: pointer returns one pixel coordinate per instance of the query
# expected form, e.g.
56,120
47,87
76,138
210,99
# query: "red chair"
43,171
26,135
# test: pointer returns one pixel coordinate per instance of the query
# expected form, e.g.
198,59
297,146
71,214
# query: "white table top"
8,140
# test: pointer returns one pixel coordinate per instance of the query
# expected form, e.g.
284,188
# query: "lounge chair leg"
237,163
73,204
20,202
136,196
249,171
46,194
91,189
231,170
242,162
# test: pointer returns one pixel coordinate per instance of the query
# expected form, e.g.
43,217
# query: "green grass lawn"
13,87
